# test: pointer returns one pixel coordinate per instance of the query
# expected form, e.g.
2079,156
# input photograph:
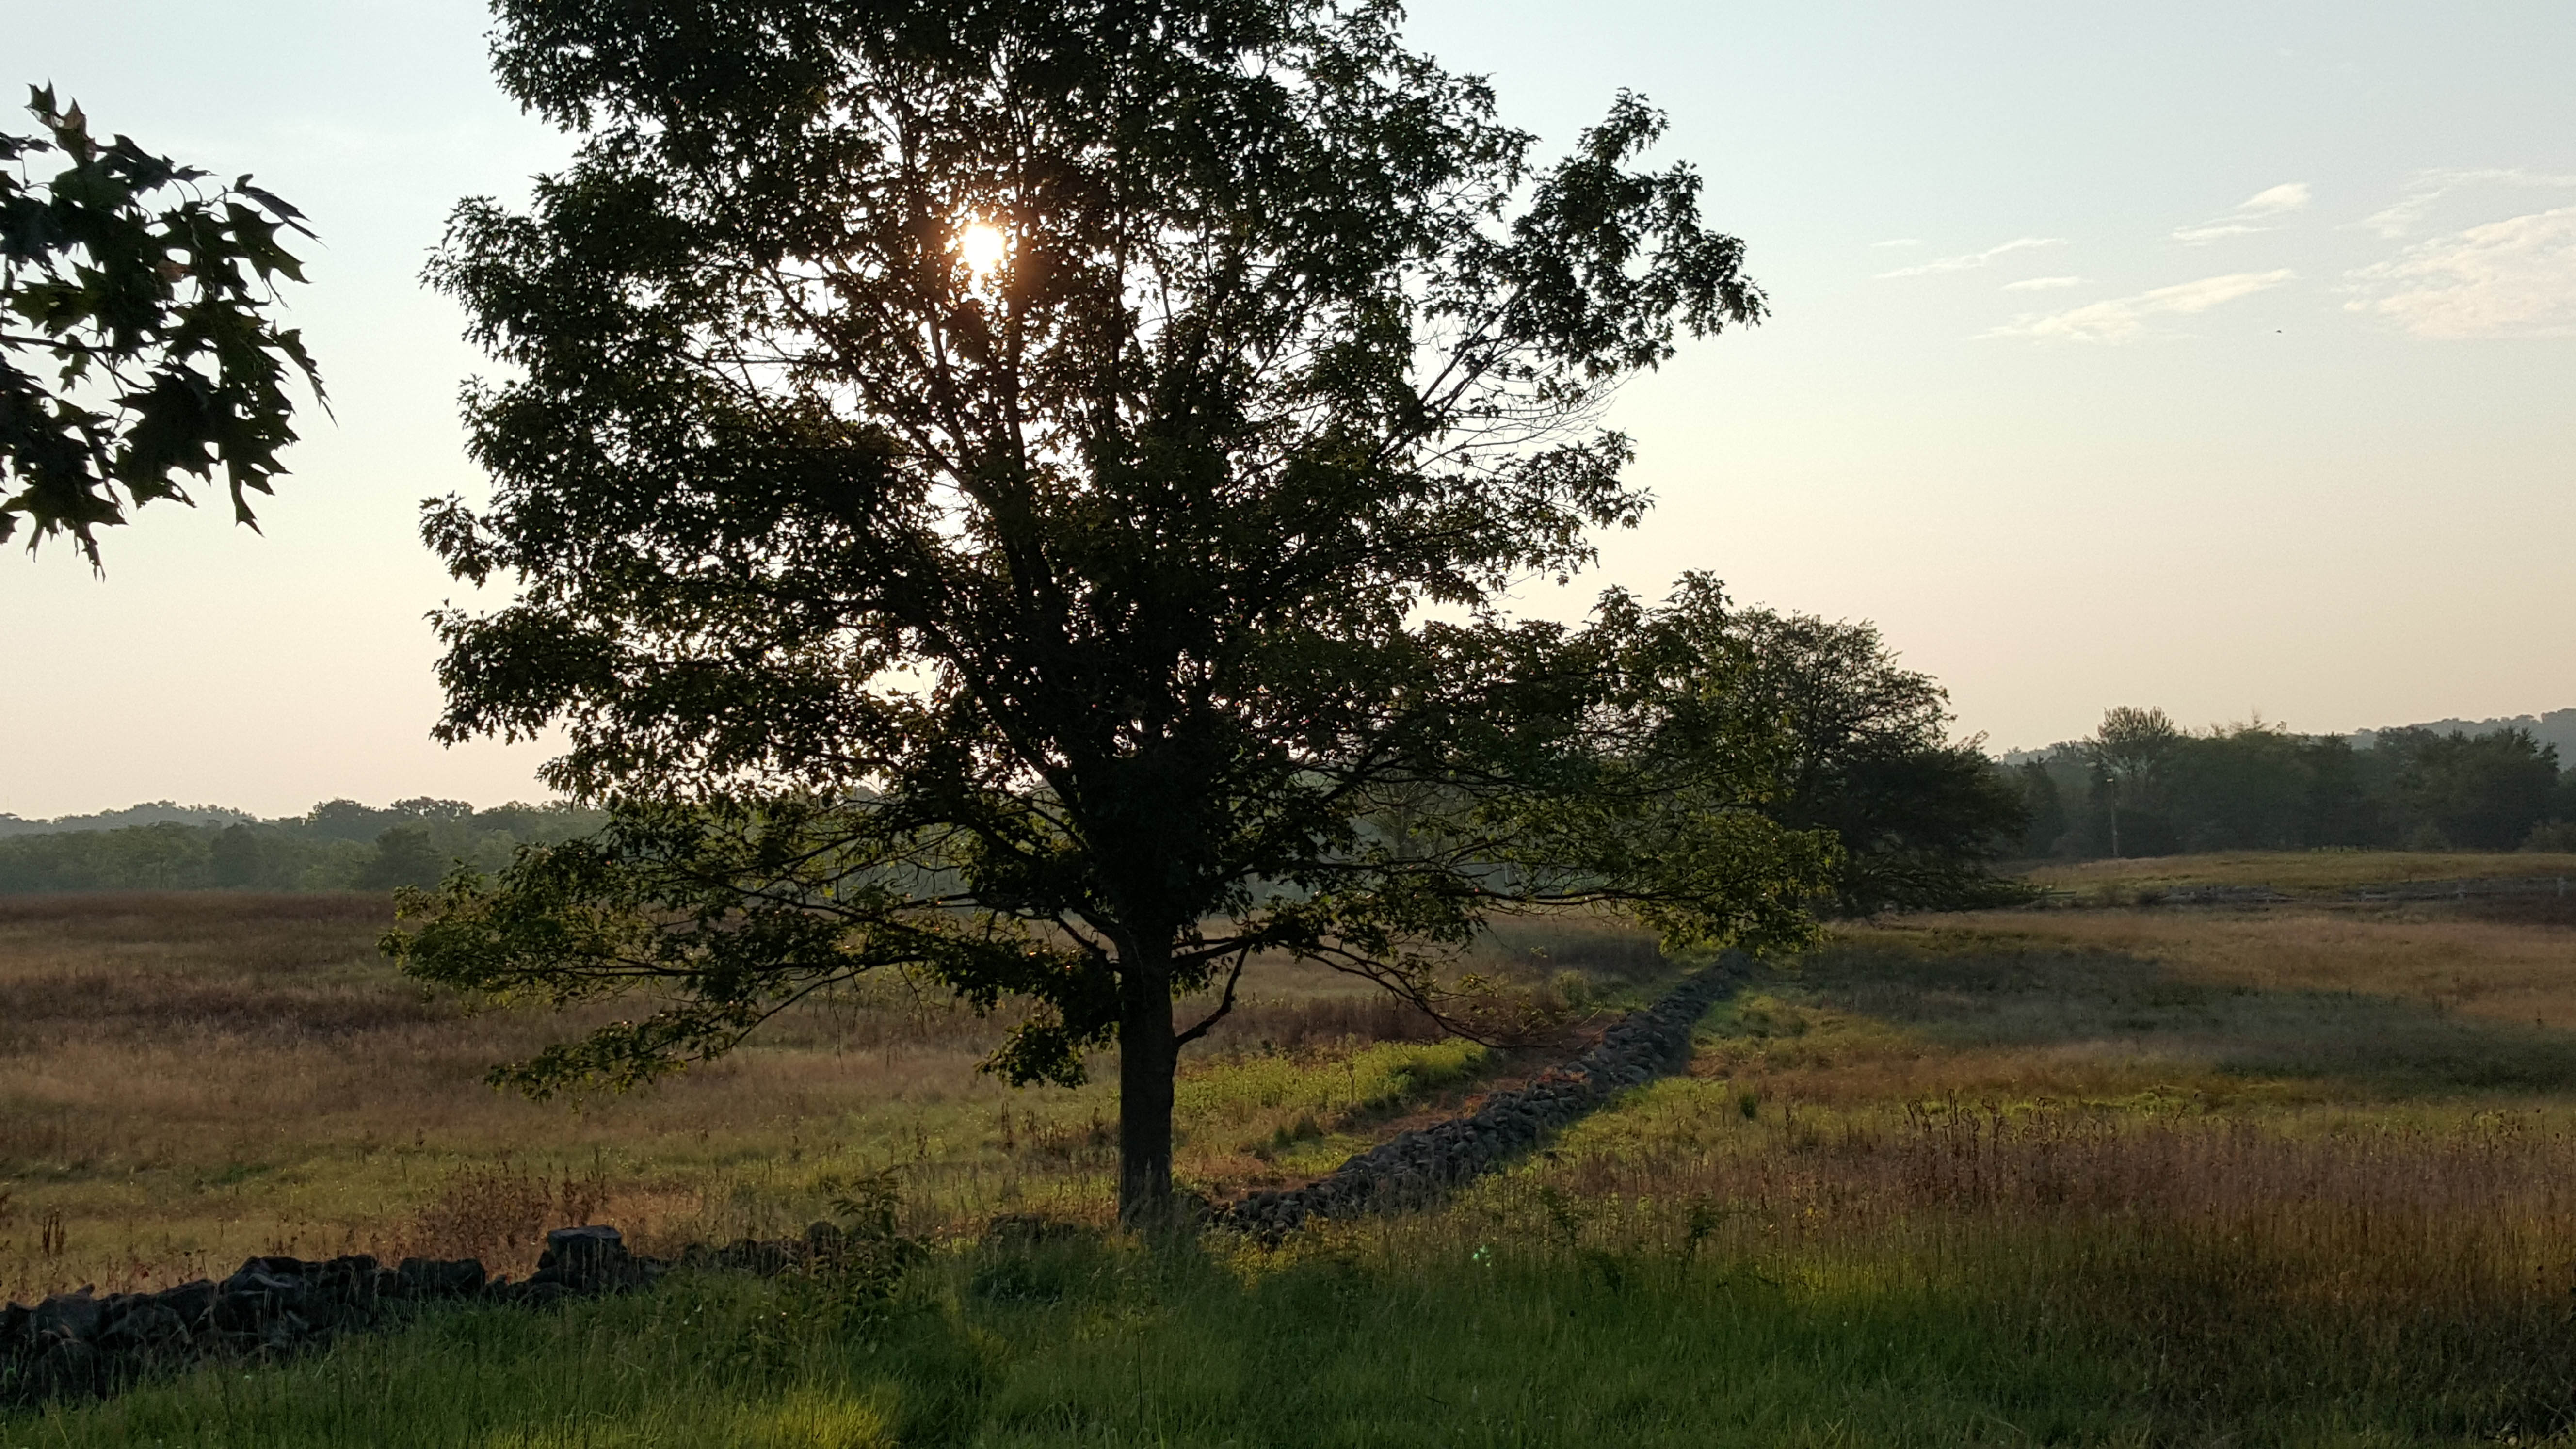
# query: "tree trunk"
1146,1059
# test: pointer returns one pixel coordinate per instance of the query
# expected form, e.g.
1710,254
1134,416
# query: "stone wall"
77,1343
1418,1167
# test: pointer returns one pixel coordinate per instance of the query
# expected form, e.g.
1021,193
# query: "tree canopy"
1025,493
137,341
1921,818
339,845
2483,792
2258,786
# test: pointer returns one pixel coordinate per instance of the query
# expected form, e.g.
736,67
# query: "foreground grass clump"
1087,1342
698,1361
1416,1332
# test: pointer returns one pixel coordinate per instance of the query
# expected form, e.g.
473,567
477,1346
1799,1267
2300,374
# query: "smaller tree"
146,297
2477,792
2044,808
1921,819
2132,754
251,857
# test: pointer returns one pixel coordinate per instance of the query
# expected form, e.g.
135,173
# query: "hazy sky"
2221,357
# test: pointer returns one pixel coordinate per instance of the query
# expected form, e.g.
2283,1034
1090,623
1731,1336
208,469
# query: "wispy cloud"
2430,187
1899,241
2043,284
2122,318
2512,278
1975,259
2255,213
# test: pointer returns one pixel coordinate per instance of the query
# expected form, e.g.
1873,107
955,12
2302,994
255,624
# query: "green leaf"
91,272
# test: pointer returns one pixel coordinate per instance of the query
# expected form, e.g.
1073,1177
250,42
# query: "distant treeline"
1916,826
338,845
2144,786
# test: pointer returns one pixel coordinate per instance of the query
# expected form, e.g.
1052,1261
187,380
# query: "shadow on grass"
1436,1337
1337,1342
1987,993
1066,1338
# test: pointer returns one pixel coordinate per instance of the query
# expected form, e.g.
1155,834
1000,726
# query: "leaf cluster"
136,337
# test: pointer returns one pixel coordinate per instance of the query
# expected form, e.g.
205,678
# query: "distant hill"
157,812
2558,727
338,845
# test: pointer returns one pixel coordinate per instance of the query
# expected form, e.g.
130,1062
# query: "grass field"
186,1080
2297,1176
2296,873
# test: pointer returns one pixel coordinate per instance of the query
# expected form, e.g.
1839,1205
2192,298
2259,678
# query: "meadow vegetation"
2319,873
2304,1175
188,1079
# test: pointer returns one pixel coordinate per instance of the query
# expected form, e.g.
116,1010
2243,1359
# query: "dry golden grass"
2256,1158
189,1079
2234,1264
2441,957
2369,1008
2310,872
2304,1175
2227,1147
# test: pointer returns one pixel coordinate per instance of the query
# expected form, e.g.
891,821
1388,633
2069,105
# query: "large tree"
1024,492
138,338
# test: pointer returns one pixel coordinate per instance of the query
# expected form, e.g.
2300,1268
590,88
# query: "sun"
983,247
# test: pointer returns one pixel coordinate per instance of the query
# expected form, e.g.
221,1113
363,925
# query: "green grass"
1305,1113
1412,1334
1101,1344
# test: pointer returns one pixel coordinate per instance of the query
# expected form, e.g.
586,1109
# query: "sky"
2212,356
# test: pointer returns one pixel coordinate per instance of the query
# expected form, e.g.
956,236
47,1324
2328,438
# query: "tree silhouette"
1023,493
147,297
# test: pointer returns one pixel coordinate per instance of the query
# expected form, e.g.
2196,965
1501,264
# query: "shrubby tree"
137,341
339,845
405,855
2258,786
350,820
2132,755
149,812
2043,808
253,857
2482,792
1921,818
1022,494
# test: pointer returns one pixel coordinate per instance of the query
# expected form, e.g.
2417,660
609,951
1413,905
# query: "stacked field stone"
1416,1168
78,1343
